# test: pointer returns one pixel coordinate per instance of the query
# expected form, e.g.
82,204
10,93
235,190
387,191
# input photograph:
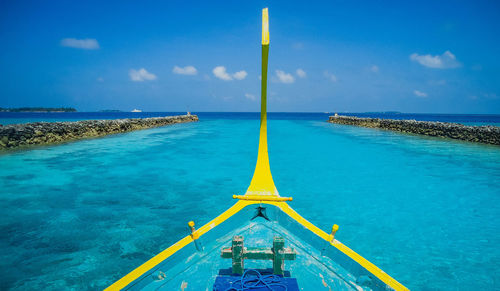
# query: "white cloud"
141,75
240,75
330,76
187,70
374,69
85,44
284,77
221,73
301,73
420,94
250,96
445,61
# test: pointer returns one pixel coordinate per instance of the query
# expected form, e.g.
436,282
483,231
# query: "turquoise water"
81,215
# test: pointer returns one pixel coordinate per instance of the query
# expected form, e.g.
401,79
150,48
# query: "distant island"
38,109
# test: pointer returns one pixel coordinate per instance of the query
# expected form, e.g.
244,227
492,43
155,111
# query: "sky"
325,56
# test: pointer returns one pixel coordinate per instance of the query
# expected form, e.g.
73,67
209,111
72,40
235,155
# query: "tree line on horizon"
38,109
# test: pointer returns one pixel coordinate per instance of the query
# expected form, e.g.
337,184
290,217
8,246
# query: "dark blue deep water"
83,214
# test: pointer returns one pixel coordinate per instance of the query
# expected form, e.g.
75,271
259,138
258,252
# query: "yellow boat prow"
194,261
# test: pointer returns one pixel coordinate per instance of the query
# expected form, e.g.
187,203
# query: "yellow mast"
262,181
261,191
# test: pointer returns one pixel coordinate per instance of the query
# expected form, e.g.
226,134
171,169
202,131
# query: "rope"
258,281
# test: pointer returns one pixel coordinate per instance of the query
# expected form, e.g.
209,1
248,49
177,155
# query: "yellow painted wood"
262,181
265,26
262,198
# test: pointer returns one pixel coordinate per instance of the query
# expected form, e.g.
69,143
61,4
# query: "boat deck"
199,270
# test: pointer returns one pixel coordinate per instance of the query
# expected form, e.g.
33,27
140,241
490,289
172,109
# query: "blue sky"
356,56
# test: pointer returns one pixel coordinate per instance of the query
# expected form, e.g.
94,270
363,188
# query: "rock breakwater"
39,133
481,134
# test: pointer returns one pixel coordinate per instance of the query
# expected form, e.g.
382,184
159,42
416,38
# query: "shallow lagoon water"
81,215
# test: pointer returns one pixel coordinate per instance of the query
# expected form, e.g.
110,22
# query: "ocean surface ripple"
81,215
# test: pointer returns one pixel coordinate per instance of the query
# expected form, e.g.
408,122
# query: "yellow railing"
283,206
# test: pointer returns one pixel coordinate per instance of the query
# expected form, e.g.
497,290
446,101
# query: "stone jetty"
42,133
481,134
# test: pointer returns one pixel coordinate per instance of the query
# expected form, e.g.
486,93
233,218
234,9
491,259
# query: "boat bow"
262,191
